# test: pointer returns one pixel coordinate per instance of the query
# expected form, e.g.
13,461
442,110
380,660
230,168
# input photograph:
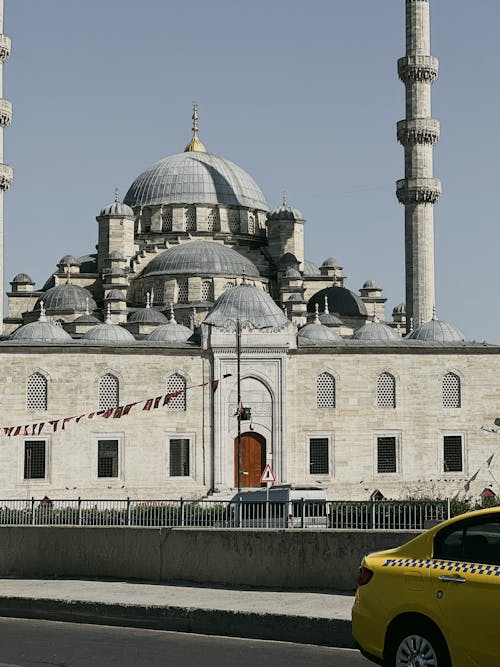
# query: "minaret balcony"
6,177
5,45
418,69
418,190
418,131
5,113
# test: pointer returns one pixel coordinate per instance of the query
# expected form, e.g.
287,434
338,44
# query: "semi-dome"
41,331
64,298
311,269
22,279
147,316
340,300
437,331
376,330
251,304
201,257
195,178
108,333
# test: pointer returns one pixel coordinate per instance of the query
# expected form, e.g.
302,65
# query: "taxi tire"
422,630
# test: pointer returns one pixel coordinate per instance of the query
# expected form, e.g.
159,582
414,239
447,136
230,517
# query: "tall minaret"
418,191
6,173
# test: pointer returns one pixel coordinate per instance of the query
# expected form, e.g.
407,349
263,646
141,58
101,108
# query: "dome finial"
108,314
284,199
87,312
434,317
243,277
148,301
316,315
42,317
326,311
67,270
195,144
117,196
172,316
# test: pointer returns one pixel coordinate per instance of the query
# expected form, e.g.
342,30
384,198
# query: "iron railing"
346,515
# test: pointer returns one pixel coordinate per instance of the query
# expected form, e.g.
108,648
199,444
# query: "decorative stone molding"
420,69
418,131
5,46
6,177
5,113
418,190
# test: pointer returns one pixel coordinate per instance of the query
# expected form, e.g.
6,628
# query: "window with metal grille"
36,392
212,219
206,290
452,453
251,224
386,391
229,284
109,392
233,217
34,459
176,383
318,456
190,217
182,290
325,391
452,397
386,455
107,458
179,457
167,219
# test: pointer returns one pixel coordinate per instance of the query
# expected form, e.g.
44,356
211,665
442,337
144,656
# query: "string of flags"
474,476
118,412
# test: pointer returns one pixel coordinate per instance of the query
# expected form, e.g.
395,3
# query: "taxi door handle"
453,580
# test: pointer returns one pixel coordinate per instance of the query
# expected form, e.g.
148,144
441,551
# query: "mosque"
198,344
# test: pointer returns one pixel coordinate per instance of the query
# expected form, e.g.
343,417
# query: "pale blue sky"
303,95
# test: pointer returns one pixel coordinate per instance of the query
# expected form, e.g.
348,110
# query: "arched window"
212,219
325,391
206,290
233,220
166,225
109,392
452,395
251,224
190,214
229,284
182,290
36,392
386,391
176,383
146,220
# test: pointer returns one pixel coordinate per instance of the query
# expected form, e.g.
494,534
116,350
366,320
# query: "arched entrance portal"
253,459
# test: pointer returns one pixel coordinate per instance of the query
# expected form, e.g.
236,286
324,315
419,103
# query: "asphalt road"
26,643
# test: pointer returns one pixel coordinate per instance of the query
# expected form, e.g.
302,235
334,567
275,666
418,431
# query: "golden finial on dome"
195,144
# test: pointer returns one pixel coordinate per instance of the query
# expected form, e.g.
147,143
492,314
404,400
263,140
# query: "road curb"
278,627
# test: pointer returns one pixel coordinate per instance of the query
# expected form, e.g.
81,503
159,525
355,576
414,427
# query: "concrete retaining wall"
276,558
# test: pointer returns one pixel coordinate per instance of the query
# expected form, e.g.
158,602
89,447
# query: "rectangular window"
107,458
318,456
452,453
34,459
179,457
386,455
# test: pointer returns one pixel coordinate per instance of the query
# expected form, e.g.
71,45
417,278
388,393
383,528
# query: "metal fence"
347,515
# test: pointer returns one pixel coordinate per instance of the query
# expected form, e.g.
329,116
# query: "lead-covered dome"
202,258
437,331
376,330
252,305
195,178
109,333
41,332
66,298
317,334
341,301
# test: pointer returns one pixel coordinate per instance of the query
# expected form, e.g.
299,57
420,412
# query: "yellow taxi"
435,601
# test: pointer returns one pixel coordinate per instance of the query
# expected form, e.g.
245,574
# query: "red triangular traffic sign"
267,475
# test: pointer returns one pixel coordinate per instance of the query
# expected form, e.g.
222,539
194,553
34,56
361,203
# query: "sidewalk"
299,616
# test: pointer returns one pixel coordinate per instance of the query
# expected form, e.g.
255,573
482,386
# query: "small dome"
310,269
116,295
114,271
64,298
108,333
87,319
438,331
376,331
117,208
288,258
172,332
285,212
88,263
147,316
330,320
41,332
22,279
341,301
68,260
201,257
292,273
296,297
370,284
317,334
116,254
331,263
400,309
250,304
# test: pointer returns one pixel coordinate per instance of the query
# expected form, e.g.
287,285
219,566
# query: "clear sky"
304,95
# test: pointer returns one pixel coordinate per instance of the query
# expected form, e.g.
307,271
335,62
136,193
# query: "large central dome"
195,178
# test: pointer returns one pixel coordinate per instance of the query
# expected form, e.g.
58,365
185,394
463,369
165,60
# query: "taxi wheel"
417,647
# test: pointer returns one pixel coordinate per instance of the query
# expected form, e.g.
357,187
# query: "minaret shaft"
419,190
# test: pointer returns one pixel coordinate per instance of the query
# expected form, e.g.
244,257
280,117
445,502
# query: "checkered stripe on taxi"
445,565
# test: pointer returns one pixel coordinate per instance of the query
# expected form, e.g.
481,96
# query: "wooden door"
253,459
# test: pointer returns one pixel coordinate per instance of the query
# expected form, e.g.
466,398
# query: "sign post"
268,478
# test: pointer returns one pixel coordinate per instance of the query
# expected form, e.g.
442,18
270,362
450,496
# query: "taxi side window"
470,541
